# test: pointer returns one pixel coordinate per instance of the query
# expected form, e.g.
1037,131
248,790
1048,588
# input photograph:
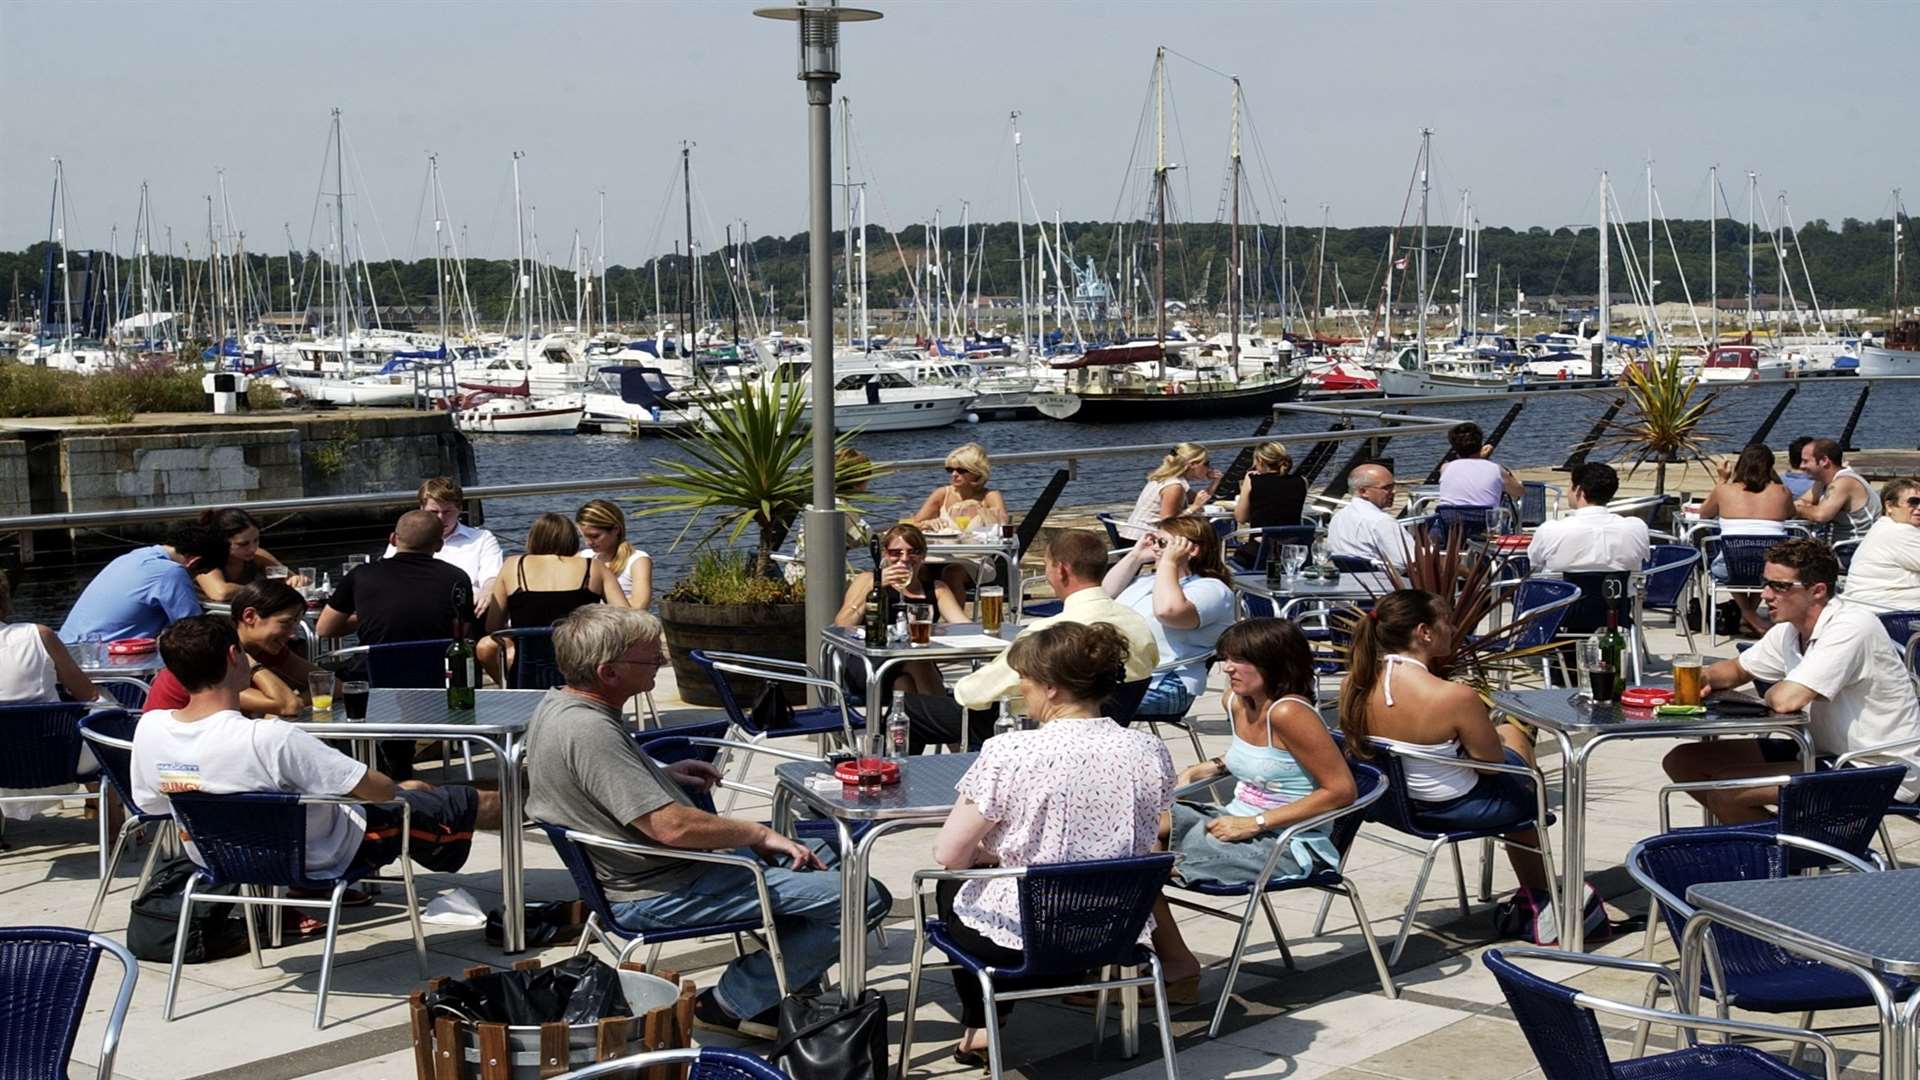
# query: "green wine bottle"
463,668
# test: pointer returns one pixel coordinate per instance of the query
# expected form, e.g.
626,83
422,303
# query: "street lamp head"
819,33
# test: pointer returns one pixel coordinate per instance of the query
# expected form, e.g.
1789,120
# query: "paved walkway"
1325,1020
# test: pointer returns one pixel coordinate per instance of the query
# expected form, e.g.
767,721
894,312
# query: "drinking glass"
277,572
919,624
92,652
869,773
992,608
1689,679
1496,523
1597,676
312,574
1293,557
353,694
320,693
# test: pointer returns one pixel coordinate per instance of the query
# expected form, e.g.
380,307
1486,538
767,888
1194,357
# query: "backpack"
1529,916
213,933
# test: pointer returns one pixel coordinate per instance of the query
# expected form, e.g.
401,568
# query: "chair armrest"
1691,1023
1666,793
1179,662
980,873
1851,756
1622,963
774,675
761,661
633,847
1465,763
1185,792
731,785
337,655
754,748
1853,862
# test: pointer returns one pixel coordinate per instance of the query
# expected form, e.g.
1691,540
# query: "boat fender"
973,418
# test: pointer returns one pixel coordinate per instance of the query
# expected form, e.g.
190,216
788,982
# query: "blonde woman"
1183,482
603,526
1270,494
966,493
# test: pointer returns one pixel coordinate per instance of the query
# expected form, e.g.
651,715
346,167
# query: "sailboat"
1898,351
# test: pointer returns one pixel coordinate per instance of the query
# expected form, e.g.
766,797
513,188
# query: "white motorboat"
1897,352
394,388
1447,373
509,414
634,399
556,364
876,395
1743,363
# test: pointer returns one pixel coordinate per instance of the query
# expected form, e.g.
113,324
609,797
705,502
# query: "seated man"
586,774
407,596
209,746
1075,562
1842,499
139,593
476,552
1591,537
1363,529
1824,655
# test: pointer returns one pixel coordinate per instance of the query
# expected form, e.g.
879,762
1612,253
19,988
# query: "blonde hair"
1178,460
1273,457
606,516
973,458
441,489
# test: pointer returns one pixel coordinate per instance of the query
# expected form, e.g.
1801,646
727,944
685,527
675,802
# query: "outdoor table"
143,666
1868,924
953,641
1003,549
1580,727
923,797
498,721
1294,591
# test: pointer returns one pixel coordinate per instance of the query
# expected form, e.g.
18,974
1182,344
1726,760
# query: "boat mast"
1233,243
1713,250
1286,275
733,262
866,330
1426,148
966,266
600,248
1020,235
1606,279
1320,265
1160,211
846,186
1893,310
520,264
340,215
1753,180
686,192
439,251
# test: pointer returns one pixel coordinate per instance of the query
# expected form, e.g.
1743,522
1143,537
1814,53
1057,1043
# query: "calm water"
1547,427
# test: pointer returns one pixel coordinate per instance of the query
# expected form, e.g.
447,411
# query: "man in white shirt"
1885,572
1824,655
1591,538
475,551
1363,528
209,746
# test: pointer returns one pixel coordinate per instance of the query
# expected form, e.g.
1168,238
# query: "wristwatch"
1260,821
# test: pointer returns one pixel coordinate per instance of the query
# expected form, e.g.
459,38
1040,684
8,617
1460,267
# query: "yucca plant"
1663,422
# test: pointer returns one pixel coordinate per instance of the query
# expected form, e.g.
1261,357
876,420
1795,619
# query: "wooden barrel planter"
778,631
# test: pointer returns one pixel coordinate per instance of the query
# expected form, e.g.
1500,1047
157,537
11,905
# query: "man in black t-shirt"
409,596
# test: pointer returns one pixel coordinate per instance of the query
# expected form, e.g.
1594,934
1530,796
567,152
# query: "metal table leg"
512,876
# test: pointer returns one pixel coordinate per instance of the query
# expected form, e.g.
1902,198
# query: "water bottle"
899,729
1006,721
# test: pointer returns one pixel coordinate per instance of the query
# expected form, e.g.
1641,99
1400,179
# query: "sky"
1528,103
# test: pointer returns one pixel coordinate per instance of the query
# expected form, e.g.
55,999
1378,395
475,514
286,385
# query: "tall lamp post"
820,69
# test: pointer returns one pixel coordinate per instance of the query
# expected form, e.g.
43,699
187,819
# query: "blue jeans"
806,907
1168,696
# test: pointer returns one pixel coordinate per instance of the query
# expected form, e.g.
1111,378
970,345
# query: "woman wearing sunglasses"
1885,572
964,504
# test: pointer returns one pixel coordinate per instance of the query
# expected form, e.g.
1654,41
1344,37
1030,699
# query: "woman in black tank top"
552,548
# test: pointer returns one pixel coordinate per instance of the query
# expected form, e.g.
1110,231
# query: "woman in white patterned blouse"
1078,788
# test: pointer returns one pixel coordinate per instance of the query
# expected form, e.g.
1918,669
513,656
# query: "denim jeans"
1168,696
806,907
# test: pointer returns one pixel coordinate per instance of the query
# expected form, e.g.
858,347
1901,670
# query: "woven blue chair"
258,841
1668,574
1901,626
1075,918
1842,808
603,925
1369,786
1742,971
1470,520
46,973
109,734
1263,545
1396,811
837,719
40,748
1559,1024
703,1063
1735,564
1112,524
398,665
1542,605
534,666
1894,808
1125,701
130,692
1353,564
1534,504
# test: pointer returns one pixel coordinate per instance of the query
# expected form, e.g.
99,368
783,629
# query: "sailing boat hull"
1880,360
1126,406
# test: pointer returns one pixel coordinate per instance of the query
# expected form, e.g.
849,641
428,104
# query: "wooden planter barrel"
778,631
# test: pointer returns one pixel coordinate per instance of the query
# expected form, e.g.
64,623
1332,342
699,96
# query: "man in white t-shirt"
476,551
1592,537
210,746
1363,529
1824,655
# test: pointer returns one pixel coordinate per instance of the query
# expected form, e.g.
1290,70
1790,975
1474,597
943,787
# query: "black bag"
821,1039
1694,620
554,922
213,933
771,710
577,990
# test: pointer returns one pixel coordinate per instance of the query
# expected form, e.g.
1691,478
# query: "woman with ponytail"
1182,482
1077,788
1391,694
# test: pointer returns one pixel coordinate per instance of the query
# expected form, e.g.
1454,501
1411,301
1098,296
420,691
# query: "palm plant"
1663,423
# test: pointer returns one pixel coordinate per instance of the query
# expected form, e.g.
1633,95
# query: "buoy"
973,418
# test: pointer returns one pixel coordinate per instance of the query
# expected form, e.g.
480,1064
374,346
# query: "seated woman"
965,504
1187,601
246,559
909,580
34,667
1183,481
1270,494
603,525
1076,789
1287,769
1749,500
1391,693
267,617
543,585
1885,572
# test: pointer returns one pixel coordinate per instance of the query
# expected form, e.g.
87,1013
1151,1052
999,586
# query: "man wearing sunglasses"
1826,655
1363,529
1885,572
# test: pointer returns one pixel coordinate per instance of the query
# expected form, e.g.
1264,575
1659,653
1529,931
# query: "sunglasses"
956,471
1911,502
1780,586
900,553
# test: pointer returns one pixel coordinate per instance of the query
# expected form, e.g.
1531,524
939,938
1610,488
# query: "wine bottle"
1613,647
463,668
879,615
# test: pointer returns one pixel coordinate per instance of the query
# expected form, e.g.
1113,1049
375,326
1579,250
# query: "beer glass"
992,608
1689,679
919,624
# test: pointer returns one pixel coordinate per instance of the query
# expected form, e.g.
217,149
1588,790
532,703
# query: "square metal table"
923,797
1004,550
1368,585
848,644
1868,924
498,721
1580,727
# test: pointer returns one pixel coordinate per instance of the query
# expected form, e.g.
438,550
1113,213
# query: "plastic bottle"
899,729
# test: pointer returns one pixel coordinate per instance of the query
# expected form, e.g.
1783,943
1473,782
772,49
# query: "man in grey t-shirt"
585,774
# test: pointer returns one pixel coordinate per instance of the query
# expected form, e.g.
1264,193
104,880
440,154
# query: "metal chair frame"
1154,720
13,715
1713,541
109,683
517,678
136,818
1688,565
28,936
769,669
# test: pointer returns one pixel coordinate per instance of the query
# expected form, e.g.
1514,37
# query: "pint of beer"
992,608
919,624
1689,680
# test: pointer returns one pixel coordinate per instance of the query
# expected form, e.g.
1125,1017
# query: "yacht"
874,394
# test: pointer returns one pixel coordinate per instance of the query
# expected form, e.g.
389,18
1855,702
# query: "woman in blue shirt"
1187,600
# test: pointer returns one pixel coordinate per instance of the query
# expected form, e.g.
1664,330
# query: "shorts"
442,829
1497,801
1787,752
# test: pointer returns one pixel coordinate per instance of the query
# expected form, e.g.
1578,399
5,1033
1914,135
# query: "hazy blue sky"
1528,102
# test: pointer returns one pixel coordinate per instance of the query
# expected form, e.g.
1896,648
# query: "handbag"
823,1039
771,710
213,931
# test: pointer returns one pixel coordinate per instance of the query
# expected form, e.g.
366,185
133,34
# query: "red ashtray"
1513,542
1645,697
132,646
849,772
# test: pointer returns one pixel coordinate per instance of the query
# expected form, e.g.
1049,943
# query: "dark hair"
201,544
1812,561
1086,660
552,534
1388,628
1083,553
907,531
267,598
1466,439
1753,469
1794,448
1597,480
1277,649
231,521
1829,449
195,650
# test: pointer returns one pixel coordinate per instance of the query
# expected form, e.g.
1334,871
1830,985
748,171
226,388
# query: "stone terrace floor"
1327,1019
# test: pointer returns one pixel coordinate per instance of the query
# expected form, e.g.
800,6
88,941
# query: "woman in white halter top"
1391,695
